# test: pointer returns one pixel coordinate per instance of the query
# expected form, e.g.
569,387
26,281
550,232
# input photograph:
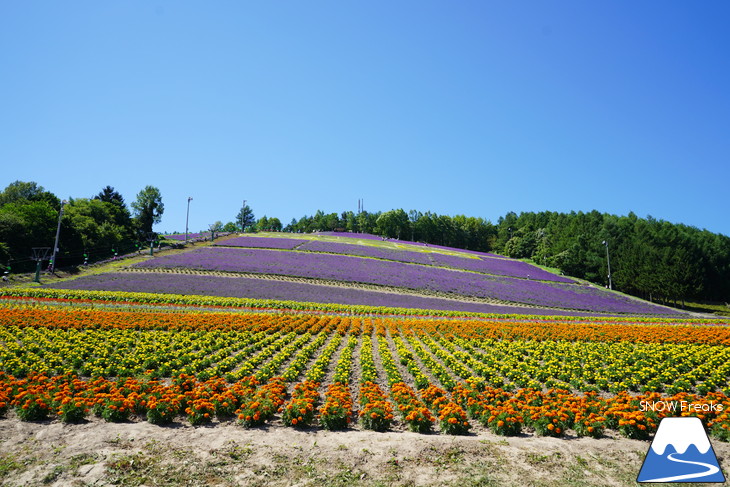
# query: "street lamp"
608,261
187,217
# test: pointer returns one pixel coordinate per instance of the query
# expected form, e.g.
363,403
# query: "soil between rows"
139,453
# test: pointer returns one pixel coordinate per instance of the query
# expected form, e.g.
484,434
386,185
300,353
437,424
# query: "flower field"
352,269
69,359
265,289
262,242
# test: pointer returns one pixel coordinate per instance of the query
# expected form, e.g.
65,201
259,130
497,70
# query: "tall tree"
148,208
110,195
245,218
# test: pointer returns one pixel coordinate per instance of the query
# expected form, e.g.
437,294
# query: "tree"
230,227
275,224
148,209
94,221
109,195
245,218
26,224
26,192
263,224
393,223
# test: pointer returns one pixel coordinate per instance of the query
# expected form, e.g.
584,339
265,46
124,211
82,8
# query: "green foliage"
148,208
245,218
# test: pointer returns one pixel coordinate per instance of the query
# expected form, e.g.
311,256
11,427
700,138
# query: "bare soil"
96,453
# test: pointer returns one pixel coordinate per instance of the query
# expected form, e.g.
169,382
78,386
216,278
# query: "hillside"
362,269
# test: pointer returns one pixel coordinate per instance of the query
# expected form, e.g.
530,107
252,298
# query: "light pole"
608,261
58,234
187,217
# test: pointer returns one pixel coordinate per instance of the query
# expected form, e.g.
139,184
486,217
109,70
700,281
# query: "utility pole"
608,261
58,234
187,217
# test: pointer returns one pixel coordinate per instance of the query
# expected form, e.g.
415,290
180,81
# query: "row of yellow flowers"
522,327
178,300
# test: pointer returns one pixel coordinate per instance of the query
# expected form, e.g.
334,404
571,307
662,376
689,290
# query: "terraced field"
366,271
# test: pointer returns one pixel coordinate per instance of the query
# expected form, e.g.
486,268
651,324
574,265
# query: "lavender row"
286,291
262,242
365,236
190,236
502,267
484,264
367,251
368,236
397,274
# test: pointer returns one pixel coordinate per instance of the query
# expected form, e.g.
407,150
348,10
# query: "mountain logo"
681,452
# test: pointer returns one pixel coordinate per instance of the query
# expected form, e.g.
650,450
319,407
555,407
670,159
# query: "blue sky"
470,107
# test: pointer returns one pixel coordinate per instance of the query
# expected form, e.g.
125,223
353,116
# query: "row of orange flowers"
255,322
553,412
251,403
70,399
300,410
452,417
376,413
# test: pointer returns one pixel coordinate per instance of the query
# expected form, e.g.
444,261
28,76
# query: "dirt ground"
96,453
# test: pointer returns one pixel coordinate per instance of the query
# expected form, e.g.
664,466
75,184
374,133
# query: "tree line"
91,228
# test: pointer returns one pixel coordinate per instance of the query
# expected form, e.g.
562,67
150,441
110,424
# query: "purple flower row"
262,242
368,236
367,251
287,291
191,236
397,274
502,267
365,236
483,264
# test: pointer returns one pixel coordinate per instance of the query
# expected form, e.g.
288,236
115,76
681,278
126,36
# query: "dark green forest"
649,258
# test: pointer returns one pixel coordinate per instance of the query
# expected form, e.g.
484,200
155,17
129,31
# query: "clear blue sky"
469,107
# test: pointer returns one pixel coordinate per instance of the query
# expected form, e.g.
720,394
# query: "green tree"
230,227
245,218
94,220
393,224
110,195
26,224
25,192
148,209
263,224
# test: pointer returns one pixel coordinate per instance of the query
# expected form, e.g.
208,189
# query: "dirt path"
138,453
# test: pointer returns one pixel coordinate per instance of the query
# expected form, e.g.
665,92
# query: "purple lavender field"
410,276
287,291
483,264
501,267
367,251
191,236
262,242
368,236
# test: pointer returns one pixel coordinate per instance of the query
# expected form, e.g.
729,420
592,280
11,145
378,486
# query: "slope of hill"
364,269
